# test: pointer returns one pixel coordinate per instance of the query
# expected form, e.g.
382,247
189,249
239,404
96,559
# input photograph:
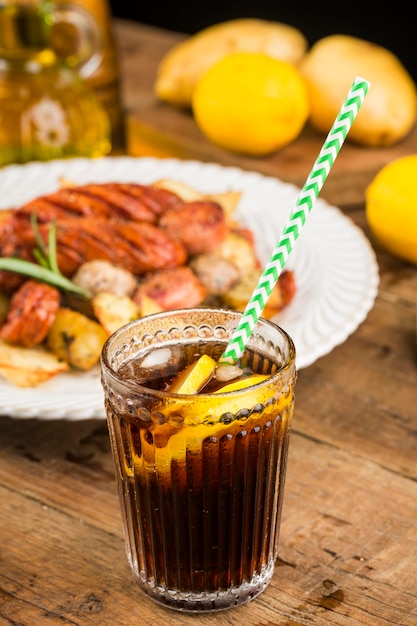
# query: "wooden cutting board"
167,133
154,128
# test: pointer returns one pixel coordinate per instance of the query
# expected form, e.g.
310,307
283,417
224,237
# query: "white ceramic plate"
335,267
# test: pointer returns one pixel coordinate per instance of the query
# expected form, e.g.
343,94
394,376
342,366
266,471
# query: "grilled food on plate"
79,263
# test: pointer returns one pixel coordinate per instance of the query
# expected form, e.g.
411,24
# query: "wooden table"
348,550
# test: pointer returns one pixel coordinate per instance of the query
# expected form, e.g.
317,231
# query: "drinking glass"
200,477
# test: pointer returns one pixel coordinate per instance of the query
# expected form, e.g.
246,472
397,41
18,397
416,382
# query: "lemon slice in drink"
242,383
194,376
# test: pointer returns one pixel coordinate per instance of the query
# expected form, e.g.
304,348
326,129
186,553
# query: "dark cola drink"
201,477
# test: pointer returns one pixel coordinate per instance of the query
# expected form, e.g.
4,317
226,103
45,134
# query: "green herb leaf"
41,273
47,271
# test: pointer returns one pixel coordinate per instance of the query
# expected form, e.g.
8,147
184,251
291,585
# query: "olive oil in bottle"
47,111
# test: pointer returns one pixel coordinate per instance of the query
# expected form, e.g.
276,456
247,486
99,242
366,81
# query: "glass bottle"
105,77
47,110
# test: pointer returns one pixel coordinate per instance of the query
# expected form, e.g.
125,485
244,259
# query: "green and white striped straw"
296,221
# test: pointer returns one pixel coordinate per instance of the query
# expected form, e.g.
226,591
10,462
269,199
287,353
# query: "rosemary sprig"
47,269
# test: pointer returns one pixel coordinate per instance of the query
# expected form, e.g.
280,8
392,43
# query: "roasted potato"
114,311
185,63
183,191
390,109
148,306
239,295
76,339
239,251
227,200
28,367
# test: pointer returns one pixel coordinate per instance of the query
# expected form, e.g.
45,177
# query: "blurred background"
390,25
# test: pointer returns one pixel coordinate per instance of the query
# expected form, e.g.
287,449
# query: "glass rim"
288,361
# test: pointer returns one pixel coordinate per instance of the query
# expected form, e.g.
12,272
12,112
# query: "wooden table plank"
342,552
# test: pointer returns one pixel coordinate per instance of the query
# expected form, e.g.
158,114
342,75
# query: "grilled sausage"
32,311
139,247
200,226
129,201
172,289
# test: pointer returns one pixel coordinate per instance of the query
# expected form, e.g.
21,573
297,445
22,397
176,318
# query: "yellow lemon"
194,376
243,383
391,207
251,103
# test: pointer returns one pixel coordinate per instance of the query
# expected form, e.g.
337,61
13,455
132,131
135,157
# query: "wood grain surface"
348,545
